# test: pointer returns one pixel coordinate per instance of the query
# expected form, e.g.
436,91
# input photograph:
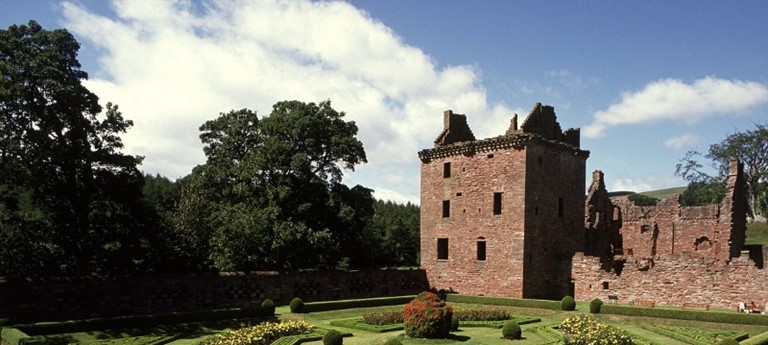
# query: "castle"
507,216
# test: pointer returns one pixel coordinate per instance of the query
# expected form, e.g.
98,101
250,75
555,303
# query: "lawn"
644,330
757,233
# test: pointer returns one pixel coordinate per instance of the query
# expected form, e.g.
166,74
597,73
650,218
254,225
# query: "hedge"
356,303
694,315
13,336
760,339
502,301
41,328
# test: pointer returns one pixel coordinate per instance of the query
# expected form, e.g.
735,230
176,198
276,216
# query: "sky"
646,81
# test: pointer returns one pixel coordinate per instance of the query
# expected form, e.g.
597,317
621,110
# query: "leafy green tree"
273,188
643,200
751,148
703,193
68,191
396,228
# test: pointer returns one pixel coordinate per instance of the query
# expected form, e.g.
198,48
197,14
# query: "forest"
270,195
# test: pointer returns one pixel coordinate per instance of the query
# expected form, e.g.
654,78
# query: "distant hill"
660,194
664,193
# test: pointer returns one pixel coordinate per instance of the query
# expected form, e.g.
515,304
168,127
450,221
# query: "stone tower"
503,216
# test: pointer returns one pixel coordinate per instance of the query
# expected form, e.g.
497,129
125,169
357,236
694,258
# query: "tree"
274,188
751,148
60,159
643,200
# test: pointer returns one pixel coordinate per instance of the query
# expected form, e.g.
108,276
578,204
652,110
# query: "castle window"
490,156
605,285
446,208
560,207
446,169
458,194
497,203
442,249
481,249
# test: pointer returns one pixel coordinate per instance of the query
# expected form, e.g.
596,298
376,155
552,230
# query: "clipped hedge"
760,339
503,301
359,324
694,315
13,336
85,325
568,304
511,330
311,307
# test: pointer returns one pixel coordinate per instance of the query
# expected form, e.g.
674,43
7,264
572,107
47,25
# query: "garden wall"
676,280
78,298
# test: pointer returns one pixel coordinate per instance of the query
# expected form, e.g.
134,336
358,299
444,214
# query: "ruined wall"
715,231
673,280
78,298
536,174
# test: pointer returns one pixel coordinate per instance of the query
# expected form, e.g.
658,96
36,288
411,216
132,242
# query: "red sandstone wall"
470,189
668,229
77,298
552,237
674,280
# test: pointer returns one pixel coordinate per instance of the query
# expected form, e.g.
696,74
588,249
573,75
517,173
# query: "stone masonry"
503,216
506,216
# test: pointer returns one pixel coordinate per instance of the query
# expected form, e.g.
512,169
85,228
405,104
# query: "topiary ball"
297,305
728,341
511,330
393,341
268,304
595,306
333,337
454,324
568,303
426,316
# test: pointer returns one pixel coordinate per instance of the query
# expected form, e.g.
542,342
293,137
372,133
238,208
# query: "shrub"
333,337
583,329
511,330
384,318
481,315
567,303
267,303
454,324
428,317
261,334
728,341
504,301
297,305
595,305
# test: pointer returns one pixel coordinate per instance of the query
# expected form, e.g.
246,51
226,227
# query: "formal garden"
423,319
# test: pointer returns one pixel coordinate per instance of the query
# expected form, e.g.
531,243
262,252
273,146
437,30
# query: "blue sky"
646,81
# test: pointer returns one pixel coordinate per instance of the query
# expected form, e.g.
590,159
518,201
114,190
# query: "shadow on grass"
183,330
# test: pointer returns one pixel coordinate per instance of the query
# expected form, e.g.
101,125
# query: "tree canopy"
70,197
273,192
751,148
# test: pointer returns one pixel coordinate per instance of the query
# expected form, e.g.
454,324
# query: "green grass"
660,332
757,233
156,335
664,193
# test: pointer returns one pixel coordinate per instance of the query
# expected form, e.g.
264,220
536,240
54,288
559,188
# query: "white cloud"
674,100
645,183
176,64
680,142
630,185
